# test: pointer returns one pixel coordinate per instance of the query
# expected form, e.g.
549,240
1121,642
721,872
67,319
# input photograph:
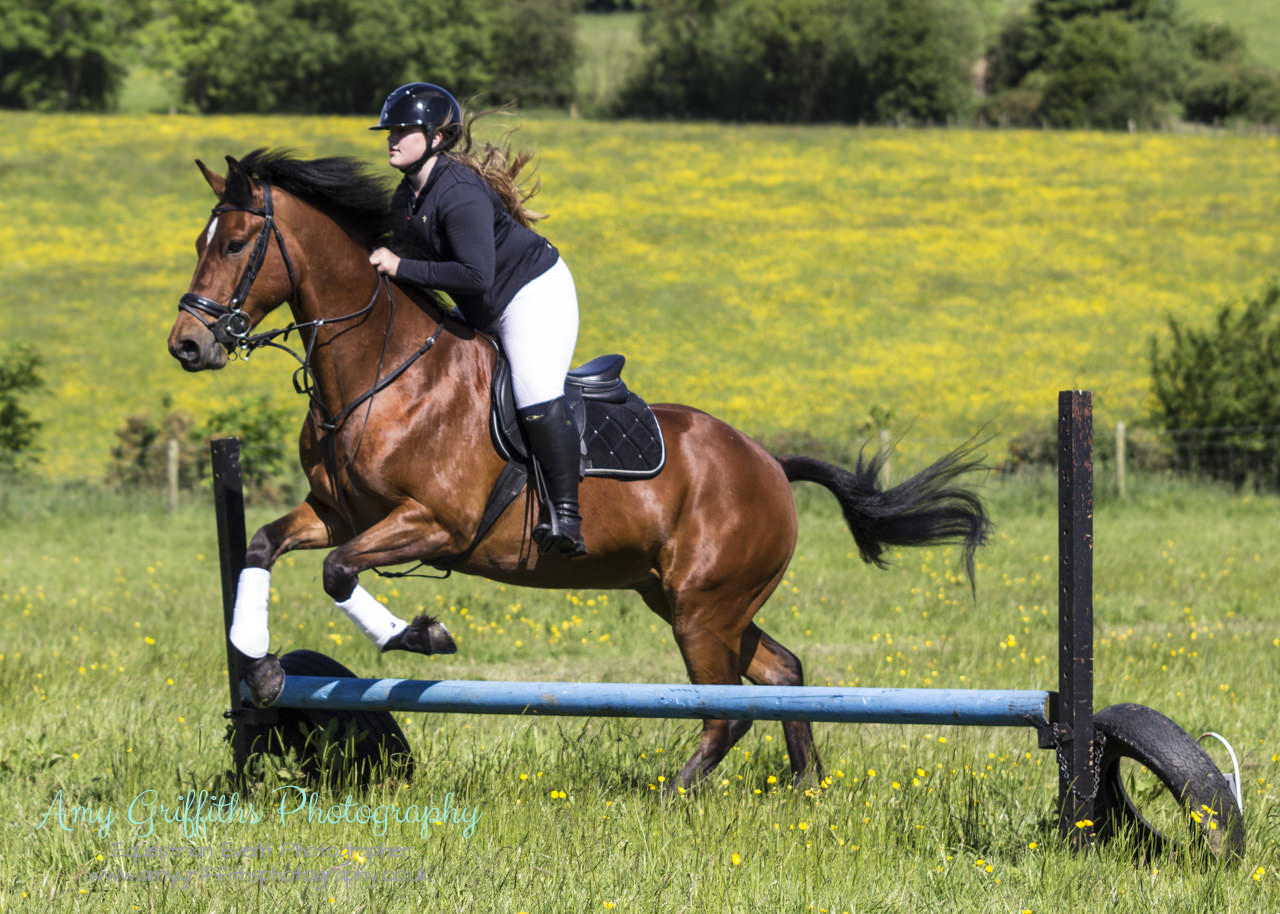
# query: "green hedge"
19,377
65,55
1113,63
286,56
1217,390
805,60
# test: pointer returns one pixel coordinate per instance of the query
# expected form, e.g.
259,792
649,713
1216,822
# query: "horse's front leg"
305,527
408,534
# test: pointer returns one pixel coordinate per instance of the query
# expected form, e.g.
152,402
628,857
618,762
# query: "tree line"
1065,63
287,56
1060,63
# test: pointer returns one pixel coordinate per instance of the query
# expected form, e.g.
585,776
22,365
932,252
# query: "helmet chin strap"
414,167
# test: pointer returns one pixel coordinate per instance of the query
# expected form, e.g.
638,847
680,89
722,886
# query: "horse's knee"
261,551
766,662
784,670
792,669
339,579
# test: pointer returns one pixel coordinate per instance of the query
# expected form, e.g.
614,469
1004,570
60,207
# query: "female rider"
461,228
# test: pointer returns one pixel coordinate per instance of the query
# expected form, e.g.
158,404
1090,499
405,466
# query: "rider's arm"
467,217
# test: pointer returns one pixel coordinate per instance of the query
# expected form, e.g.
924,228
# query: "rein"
304,378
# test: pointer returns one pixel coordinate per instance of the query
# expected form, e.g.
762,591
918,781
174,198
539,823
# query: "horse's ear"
239,183
215,181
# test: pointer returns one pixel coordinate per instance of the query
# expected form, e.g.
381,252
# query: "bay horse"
396,447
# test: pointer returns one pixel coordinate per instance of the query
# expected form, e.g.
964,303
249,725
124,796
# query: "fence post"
1121,448
1078,774
173,474
228,501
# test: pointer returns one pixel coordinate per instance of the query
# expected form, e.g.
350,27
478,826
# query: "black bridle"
230,324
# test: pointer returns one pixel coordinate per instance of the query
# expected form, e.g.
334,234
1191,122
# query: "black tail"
927,509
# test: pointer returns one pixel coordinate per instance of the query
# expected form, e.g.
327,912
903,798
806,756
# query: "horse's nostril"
186,351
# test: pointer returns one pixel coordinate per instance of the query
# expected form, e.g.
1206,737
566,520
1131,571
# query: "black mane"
341,187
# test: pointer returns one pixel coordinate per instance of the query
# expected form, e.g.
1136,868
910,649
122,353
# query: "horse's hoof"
424,635
265,678
670,792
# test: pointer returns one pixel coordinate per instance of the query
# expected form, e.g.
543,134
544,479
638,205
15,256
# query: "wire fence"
1245,458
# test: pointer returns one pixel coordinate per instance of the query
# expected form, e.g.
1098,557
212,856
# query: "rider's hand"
385,262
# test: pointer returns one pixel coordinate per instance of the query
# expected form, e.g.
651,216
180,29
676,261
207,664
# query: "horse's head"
240,275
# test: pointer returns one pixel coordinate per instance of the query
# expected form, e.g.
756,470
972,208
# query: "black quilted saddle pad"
623,439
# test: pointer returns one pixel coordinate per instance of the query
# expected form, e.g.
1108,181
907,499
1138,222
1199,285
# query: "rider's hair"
499,166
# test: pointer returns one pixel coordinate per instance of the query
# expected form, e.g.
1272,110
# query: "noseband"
229,323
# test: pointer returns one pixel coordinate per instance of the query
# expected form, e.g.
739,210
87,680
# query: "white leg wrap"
376,621
249,632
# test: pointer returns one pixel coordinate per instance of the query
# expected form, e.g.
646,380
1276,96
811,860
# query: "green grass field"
791,280
787,279
111,667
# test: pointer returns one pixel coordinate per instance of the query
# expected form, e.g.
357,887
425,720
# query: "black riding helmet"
423,105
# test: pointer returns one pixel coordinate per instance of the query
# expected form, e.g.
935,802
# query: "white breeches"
538,331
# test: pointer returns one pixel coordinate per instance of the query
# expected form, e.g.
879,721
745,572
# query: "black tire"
1215,826
334,746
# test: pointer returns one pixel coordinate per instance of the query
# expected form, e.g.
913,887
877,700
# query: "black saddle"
620,435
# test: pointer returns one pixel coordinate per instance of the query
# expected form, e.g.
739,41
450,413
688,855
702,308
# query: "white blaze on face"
208,235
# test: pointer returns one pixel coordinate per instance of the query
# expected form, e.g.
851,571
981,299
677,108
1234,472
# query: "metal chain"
1095,753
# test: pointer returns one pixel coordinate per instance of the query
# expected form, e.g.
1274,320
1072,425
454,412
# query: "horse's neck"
352,353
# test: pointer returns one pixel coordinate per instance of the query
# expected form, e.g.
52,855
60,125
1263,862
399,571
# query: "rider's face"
405,145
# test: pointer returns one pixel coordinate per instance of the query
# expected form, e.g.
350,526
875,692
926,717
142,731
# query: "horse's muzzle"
194,345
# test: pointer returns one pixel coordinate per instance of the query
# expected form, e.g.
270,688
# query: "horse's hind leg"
717,652
766,662
708,662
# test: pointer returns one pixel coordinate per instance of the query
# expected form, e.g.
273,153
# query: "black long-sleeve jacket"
458,237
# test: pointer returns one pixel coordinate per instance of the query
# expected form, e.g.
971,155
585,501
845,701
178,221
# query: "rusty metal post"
228,499
1077,767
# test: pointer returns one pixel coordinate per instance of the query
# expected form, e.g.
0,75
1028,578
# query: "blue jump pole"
989,708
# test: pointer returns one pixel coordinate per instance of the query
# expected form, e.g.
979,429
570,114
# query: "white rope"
1233,779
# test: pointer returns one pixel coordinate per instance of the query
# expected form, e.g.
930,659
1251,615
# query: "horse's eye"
235,246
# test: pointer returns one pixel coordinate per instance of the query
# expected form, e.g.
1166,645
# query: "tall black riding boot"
554,439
